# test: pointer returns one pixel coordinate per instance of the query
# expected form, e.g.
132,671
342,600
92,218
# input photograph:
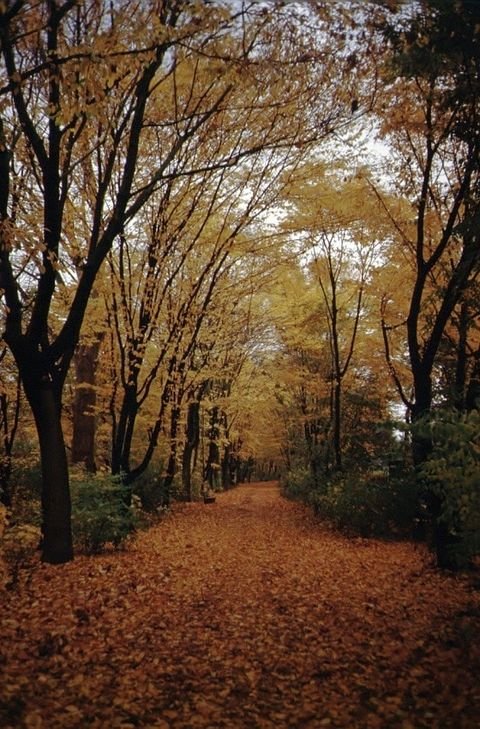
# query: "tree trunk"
9,424
227,467
444,540
461,364
5,473
213,457
84,420
57,546
191,444
123,433
337,425
172,458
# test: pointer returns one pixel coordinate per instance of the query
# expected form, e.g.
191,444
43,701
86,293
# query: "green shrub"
151,490
299,485
452,473
101,514
370,504
20,530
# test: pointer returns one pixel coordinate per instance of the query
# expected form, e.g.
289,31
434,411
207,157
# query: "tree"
78,107
430,118
434,134
166,269
341,230
87,141
343,293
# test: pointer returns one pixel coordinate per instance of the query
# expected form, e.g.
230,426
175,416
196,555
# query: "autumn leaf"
267,619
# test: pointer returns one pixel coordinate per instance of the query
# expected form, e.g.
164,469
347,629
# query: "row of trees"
146,139
404,267
192,212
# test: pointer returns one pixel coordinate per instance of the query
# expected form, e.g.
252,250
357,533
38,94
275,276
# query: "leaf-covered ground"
246,614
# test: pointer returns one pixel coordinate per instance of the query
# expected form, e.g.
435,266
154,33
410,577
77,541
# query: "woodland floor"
247,613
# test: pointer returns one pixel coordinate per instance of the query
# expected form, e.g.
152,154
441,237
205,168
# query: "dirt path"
246,614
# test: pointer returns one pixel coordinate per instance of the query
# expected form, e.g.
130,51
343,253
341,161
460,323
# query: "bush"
370,504
20,532
299,485
151,490
101,514
451,473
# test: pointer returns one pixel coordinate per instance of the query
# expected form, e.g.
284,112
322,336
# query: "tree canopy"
237,239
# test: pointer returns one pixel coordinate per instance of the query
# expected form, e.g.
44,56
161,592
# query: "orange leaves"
248,613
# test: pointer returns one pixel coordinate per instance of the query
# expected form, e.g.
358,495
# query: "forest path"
246,613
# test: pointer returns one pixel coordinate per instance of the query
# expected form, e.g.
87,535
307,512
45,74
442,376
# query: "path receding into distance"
247,613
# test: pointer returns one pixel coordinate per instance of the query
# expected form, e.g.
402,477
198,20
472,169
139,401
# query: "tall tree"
79,98
165,276
341,232
432,124
98,101
433,128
